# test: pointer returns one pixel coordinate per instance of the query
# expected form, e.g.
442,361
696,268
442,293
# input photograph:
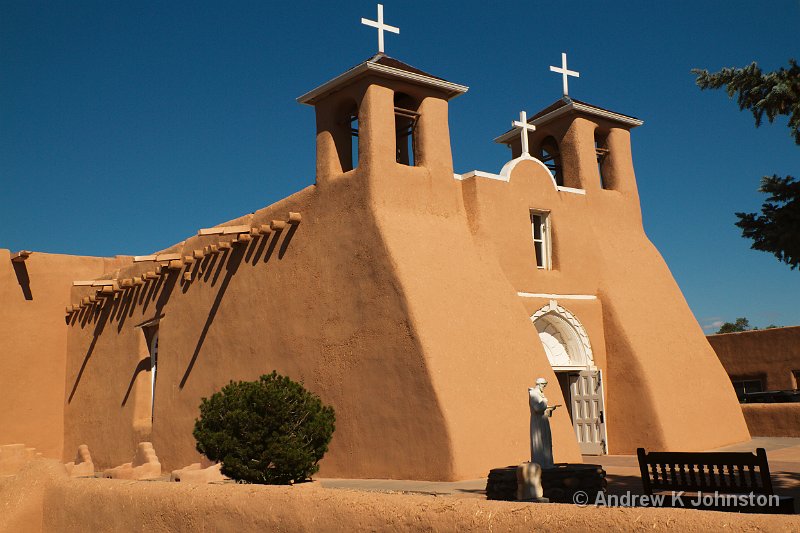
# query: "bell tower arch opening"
550,155
406,116
566,344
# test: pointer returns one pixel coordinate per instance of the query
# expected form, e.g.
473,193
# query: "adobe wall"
318,304
772,419
378,300
33,337
395,299
664,387
768,354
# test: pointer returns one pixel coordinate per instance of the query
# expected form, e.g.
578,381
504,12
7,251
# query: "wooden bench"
719,477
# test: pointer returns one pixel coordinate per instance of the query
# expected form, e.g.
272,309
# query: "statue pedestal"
560,482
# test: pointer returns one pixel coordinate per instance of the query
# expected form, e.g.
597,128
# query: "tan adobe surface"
395,297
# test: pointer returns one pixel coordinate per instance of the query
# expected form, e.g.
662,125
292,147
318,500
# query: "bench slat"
733,473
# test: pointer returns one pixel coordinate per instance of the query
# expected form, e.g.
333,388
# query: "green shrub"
271,431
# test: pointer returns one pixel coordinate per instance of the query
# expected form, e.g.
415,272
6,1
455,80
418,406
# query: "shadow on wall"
142,366
238,255
119,306
21,270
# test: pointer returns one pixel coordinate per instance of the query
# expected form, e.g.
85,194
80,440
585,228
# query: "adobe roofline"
572,105
313,96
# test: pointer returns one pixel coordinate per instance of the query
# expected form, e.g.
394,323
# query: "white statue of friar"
541,440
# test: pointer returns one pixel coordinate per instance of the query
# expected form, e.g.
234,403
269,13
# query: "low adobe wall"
768,354
46,500
772,419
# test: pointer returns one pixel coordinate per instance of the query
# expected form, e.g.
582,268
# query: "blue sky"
126,126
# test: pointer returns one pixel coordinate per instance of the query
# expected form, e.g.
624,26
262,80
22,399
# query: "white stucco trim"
508,168
552,308
557,296
479,174
571,189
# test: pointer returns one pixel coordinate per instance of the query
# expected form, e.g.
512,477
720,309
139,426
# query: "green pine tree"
772,94
741,324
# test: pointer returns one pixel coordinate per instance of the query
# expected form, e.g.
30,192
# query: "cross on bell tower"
380,26
524,127
565,72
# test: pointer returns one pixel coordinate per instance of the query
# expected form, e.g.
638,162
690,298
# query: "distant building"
760,360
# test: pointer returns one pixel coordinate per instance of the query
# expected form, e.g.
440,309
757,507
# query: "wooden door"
588,417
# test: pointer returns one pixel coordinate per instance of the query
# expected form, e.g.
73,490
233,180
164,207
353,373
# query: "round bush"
271,431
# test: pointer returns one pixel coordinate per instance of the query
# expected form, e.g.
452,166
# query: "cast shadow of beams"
166,290
142,366
234,261
98,330
287,240
23,279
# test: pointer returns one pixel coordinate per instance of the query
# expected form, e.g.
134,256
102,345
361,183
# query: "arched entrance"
569,352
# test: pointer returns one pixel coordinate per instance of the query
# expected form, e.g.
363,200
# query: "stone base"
559,483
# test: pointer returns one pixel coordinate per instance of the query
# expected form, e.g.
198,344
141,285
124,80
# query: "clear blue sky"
126,126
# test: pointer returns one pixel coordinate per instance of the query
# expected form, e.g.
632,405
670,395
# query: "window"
796,374
540,229
405,123
746,386
153,348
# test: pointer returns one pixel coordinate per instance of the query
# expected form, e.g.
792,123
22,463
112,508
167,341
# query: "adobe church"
420,303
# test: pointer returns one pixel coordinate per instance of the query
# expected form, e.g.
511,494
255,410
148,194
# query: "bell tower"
381,117
584,146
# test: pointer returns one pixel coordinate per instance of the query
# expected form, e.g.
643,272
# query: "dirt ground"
39,496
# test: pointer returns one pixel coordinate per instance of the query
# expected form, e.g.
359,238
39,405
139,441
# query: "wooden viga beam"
94,283
20,256
110,289
294,218
161,258
225,230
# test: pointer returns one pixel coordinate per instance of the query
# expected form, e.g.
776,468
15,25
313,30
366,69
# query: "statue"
541,440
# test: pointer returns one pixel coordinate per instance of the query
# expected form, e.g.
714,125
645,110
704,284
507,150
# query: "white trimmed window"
542,244
153,364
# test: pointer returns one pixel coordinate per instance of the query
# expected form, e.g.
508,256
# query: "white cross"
381,27
524,128
564,72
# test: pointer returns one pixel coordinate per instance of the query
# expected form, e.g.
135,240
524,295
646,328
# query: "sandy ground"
41,498
622,472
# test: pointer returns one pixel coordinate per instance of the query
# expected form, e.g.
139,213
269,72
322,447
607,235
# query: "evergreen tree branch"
772,94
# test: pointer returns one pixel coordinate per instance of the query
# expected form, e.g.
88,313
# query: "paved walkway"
622,472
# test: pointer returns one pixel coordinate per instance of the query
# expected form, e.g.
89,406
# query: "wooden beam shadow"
232,266
21,270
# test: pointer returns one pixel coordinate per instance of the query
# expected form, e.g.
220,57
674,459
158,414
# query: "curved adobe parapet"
508,168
